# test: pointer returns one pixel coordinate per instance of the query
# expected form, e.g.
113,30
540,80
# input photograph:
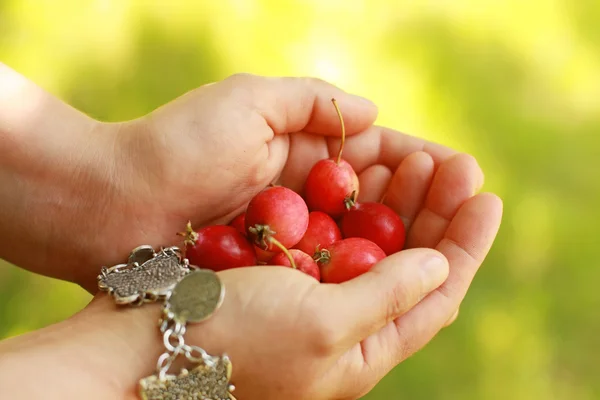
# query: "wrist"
53,168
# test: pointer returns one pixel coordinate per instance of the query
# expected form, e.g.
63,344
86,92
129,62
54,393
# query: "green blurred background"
515,83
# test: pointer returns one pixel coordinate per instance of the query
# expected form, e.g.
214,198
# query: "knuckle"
470,159
399,299
452,319
241,77
365,389
324,335
244,88
313,82
308,84
406,347
474,165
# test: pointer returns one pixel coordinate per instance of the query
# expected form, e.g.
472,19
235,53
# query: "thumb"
367,303
291,105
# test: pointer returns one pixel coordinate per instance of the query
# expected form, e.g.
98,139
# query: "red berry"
239,224
321,233
331,187
376,222
263,256
218,247
303,262
276,217
347,259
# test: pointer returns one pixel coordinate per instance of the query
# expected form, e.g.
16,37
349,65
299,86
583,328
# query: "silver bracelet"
189,295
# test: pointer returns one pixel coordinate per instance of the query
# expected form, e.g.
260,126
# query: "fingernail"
434,270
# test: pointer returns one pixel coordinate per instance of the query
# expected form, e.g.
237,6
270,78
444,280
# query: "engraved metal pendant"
147,276
204,382
196,297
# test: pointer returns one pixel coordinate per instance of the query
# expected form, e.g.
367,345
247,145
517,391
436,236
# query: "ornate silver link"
164,364
173,339
194,354
203,356
168,336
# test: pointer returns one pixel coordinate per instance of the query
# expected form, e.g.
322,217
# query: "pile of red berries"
327,234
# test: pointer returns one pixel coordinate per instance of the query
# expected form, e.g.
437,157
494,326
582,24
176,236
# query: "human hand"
287,335
430,186
201,157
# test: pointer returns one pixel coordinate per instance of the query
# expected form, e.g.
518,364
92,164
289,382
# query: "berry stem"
350,201
190,236
284,250
262,233
339,113
322,256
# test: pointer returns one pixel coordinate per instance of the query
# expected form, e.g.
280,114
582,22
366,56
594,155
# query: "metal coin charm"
196,297
204,382
148,276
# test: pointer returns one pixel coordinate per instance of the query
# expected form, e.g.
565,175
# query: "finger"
305,151
304,104
452,319
465,245
409,186
456,180
278,150
375,146
363,305
373,182
385,146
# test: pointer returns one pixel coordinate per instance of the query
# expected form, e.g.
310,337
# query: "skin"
138,182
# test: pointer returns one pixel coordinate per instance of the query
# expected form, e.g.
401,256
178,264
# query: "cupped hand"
287,335
203,157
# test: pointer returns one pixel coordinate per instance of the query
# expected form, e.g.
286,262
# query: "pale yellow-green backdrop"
516,83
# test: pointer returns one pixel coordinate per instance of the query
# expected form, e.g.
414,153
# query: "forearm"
100,353
36,367
73,359
46,155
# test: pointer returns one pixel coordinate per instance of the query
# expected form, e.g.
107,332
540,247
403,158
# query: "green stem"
190,236
284,250
350,201
322,256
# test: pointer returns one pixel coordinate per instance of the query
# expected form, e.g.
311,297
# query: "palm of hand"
308,321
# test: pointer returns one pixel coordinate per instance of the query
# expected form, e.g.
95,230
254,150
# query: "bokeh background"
516,83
